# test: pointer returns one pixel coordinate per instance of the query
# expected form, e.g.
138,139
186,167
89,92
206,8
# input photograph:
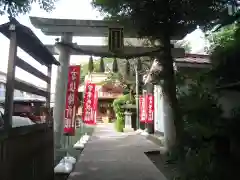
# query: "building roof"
195,58
96,77
112,88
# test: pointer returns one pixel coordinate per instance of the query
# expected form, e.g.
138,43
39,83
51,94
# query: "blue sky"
77,9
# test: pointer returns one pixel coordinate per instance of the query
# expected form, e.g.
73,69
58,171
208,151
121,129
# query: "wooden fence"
26,152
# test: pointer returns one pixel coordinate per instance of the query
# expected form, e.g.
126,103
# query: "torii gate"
67,28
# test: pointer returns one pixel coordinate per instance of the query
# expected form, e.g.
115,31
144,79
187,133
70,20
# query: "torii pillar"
61,87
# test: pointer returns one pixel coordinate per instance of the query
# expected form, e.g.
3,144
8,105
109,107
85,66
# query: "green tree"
225,54
16,7
228,20
160,20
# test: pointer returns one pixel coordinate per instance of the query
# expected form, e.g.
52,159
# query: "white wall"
162,118
228,101
163,121
158,109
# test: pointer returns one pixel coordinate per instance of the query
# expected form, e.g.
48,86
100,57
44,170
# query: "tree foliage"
211,141
16,7
225,54
117,106
152,18
228,20
203,128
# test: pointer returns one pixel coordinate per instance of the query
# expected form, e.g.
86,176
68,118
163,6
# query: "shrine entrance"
66,29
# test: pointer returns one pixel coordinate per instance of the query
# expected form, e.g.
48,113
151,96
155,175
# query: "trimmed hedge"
117,106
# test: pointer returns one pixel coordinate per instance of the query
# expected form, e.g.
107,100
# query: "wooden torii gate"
66,29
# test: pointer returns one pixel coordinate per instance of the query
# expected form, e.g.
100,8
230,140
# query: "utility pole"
137,97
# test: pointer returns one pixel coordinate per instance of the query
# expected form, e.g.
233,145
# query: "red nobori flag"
95,106
71,99
89,103
142,109
150,108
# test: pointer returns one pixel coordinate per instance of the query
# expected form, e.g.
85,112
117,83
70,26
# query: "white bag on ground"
82,140
78,145
86,137
63,167
69,159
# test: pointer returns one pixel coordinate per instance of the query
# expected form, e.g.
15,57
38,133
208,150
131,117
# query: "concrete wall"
158,110
229,100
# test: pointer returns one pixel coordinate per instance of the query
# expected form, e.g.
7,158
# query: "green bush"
117,106
205,154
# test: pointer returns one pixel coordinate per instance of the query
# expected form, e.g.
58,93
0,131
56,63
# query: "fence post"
10,78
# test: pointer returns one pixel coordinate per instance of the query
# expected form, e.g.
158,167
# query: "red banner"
95,106
89,104
142,109
71,100
150,108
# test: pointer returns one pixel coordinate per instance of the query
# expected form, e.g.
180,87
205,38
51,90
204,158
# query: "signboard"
115,39
71,100
142,109
89,104
150,108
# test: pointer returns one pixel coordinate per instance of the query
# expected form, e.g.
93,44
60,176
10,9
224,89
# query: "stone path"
116,156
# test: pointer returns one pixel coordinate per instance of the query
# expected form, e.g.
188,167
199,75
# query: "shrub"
203,130
117,106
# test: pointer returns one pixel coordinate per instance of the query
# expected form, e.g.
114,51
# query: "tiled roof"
195,58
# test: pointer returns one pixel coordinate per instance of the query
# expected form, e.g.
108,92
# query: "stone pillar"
128,122
60,91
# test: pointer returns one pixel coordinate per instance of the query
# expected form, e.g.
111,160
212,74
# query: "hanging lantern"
102,66
128,68
90,65
139,65
115,66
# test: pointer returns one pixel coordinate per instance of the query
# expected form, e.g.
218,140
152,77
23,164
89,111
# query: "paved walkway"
116,156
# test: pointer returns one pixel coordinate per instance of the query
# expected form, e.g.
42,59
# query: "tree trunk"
173,120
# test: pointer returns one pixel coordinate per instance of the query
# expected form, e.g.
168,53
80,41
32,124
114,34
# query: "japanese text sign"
89,104
142,109
150,108
71,99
